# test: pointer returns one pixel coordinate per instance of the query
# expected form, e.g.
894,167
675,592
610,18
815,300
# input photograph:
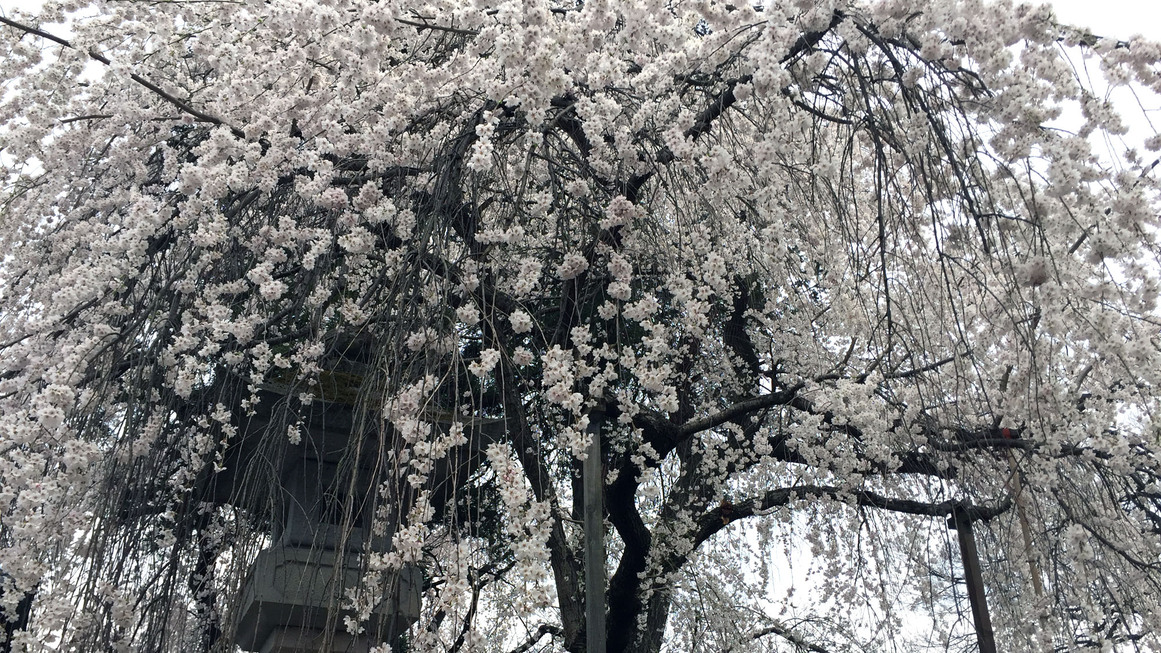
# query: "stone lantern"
292,597
318,493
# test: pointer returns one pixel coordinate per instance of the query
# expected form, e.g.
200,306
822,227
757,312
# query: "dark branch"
720,517
544,629
740,409
787,634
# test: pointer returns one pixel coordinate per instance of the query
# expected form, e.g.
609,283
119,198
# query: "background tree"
825,272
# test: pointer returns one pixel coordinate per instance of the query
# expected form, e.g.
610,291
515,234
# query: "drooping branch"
565,562
720,517
722,101
184,106
788,634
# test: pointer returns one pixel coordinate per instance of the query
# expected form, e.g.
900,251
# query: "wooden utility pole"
962,523
594,485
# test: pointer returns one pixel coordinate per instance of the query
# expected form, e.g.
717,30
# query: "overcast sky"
1115,18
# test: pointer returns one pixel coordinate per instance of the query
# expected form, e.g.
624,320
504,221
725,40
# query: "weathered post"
962,523
594,512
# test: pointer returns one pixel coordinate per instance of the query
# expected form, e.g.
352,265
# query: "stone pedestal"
289,595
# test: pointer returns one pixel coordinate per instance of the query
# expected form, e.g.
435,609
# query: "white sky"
1113,18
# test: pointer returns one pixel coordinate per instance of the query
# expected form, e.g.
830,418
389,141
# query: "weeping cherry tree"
820,275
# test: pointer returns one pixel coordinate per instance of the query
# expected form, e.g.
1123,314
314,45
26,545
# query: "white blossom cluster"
528,523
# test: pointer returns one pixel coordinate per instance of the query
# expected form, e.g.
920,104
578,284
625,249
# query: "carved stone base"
289,595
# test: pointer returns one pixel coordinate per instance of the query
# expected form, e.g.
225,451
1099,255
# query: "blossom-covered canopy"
820,273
